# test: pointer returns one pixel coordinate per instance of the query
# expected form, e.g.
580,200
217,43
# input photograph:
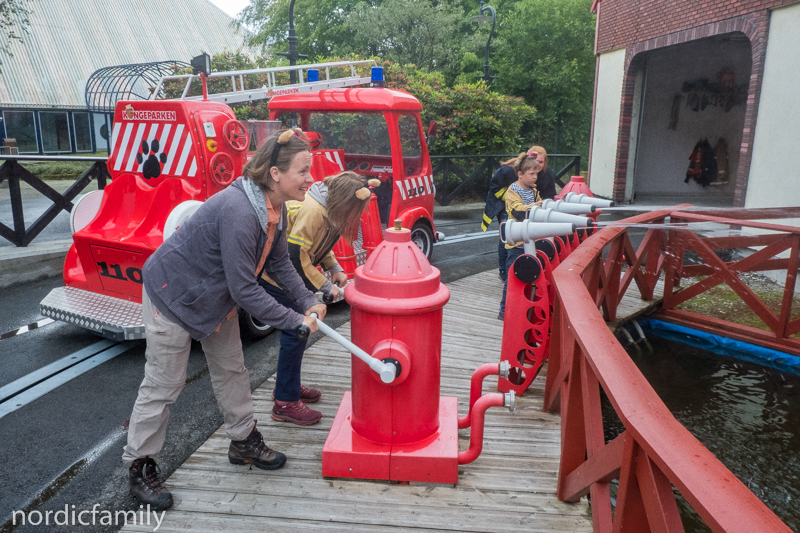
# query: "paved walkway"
510,487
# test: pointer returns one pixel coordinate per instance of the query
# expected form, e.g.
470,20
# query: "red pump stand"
402,430
526,328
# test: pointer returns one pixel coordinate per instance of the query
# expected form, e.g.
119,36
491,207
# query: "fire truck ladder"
272,88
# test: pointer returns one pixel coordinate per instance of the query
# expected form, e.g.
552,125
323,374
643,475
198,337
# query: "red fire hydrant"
401,429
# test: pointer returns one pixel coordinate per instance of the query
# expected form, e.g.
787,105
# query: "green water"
745,414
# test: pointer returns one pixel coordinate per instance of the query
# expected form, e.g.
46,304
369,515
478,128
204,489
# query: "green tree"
545,54
14,18
320,25
420,32
471,118
429,33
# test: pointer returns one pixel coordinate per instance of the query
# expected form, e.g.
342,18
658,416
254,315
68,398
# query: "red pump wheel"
222,169
236,135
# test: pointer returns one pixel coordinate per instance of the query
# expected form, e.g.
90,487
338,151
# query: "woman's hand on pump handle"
311,322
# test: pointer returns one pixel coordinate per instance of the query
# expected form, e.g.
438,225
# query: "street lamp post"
482,19
292,54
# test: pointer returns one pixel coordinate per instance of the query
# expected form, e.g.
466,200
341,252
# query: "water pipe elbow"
495,399
476,386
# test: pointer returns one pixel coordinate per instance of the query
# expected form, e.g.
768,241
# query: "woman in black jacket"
546,182
496,197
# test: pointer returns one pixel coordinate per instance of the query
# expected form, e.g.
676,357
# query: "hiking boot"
254,451
145,485
306,394
295,412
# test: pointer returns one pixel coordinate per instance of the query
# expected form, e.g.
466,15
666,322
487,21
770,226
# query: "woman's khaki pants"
167,355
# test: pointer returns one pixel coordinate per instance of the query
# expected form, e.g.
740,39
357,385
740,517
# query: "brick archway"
755,27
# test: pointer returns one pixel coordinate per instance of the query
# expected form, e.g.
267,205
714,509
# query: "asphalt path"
64,448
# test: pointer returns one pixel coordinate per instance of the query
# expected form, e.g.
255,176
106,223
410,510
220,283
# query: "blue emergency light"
312,74
377,76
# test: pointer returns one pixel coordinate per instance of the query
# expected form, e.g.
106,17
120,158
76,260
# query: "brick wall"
639,27
626,22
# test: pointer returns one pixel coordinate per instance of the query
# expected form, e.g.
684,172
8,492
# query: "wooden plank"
355,491
370,513
182,521
510,487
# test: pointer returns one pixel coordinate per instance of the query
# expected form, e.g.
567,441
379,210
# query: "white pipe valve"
575,198
565,207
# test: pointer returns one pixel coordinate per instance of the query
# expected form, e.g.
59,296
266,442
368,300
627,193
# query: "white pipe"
565,207
574,198
539,214
387,371
528,231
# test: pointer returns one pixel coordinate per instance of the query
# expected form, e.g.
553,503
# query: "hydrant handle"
301,332
388,371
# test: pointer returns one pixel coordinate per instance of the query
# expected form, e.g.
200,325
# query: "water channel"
746,414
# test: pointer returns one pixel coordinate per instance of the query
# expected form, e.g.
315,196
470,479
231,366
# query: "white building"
671,75
42,87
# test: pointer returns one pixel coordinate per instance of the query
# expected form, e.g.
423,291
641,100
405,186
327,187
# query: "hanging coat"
702,164
695,162
721,153
708,173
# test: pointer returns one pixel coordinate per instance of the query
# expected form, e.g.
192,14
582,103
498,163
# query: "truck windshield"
355,133
412,146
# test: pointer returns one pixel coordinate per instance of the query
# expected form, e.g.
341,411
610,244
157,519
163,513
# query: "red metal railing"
655,452
768,240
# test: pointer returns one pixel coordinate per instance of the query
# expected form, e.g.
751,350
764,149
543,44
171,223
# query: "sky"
231,7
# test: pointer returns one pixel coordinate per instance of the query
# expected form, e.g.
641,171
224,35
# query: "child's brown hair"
523,162
348,195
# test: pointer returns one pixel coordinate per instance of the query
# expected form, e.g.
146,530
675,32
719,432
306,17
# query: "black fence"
459,176
12,173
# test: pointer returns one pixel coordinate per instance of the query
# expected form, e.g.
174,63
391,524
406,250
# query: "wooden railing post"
788,289
16,203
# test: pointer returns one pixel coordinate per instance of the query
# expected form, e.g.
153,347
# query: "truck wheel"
422,236
251,328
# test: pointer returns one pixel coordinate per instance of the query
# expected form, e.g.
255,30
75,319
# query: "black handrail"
12,171
478,180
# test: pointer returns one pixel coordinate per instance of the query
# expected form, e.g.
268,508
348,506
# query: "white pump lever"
387,371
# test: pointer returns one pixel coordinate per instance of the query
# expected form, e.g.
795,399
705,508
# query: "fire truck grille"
110,317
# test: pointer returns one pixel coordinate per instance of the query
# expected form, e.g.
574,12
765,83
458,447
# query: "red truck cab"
378,133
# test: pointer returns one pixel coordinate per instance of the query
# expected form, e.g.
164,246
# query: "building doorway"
688,120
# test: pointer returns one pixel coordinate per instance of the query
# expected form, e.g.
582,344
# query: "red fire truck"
168,156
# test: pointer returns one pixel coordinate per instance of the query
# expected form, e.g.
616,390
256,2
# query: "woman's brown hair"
277,151
348,195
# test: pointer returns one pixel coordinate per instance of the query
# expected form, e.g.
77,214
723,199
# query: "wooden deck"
510,487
